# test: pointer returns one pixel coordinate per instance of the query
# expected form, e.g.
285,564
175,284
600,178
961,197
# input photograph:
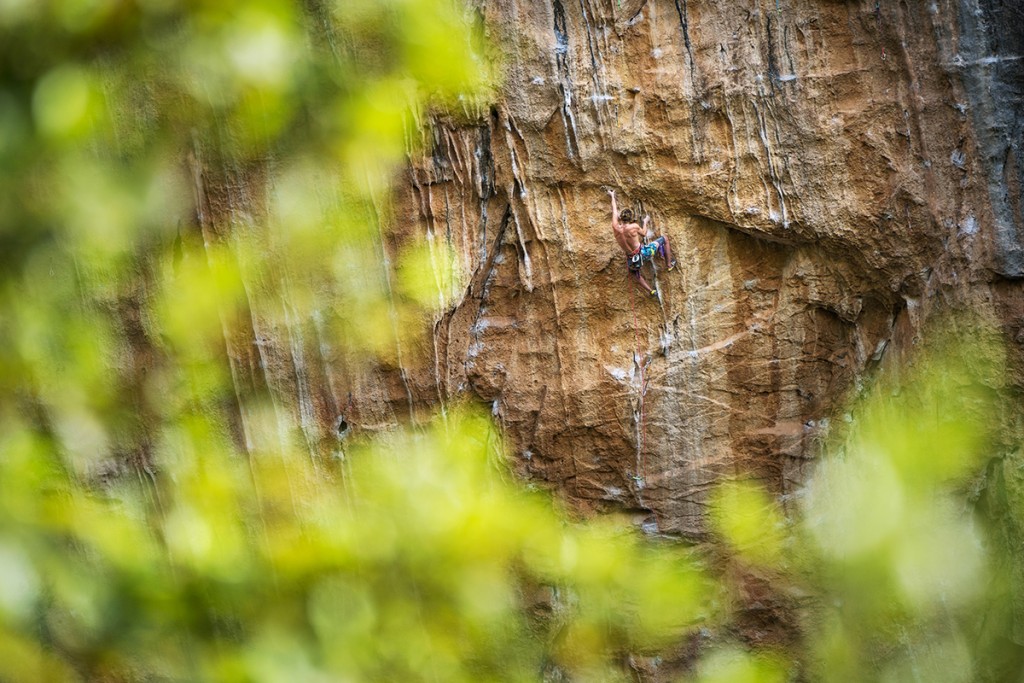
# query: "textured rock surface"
827,172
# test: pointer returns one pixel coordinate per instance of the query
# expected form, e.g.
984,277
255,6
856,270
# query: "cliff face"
826,171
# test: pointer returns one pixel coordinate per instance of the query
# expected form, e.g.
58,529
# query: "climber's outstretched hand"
615,208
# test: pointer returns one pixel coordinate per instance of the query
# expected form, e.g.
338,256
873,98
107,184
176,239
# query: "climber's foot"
654,294
671,265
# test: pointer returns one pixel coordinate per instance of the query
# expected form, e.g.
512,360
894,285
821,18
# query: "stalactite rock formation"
827,172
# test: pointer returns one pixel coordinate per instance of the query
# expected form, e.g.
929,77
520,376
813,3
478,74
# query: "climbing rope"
641,456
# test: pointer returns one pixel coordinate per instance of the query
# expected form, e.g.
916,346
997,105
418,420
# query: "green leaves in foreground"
184,185
896,567
892,540
416,561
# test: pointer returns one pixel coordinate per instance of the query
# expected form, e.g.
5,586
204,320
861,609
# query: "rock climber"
628,235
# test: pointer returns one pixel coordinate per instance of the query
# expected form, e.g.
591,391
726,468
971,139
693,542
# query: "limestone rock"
827,172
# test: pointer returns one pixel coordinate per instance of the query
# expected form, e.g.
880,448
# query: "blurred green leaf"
749,522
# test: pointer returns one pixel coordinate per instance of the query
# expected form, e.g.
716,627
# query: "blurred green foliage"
889,531
420,562
901,579
164,164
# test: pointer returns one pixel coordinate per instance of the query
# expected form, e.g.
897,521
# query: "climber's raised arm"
615,210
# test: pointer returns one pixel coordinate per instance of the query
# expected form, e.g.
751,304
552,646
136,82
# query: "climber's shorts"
645,253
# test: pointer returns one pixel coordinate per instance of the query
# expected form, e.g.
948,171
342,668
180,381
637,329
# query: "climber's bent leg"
665,249
643,283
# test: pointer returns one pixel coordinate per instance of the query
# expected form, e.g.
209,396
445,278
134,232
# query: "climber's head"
626,216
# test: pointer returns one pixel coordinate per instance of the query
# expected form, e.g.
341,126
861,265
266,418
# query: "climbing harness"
636,261
644,253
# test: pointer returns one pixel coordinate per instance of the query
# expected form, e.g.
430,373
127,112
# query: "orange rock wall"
829,172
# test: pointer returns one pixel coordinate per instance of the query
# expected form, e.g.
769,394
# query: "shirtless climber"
628,235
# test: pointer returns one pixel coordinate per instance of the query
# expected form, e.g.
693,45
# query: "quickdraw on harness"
643,253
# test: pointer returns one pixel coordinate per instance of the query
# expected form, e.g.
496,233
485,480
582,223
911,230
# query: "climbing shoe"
672,265
654,294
